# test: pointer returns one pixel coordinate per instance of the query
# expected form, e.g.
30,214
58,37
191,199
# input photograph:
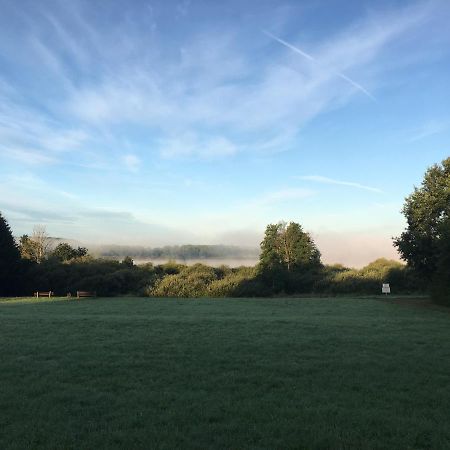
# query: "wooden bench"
43,294
83,294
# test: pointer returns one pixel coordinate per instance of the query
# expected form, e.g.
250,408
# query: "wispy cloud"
27,156
158,102
311,58
216,85
431,128
191,145
326,180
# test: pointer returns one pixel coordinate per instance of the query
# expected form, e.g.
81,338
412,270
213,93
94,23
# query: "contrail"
311,58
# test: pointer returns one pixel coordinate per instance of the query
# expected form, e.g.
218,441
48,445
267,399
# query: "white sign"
386,289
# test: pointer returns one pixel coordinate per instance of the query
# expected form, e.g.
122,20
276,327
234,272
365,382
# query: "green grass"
230,373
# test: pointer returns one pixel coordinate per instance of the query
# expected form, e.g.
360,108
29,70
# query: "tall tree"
285,249
43,242
298,250
9,257
425,210
270,260
37,247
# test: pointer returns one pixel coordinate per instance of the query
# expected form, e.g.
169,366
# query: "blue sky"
154,123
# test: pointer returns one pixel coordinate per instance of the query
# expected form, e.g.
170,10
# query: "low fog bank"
350,249
355,249
214,262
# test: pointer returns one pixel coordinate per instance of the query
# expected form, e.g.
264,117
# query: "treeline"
289,263
114,278
178,252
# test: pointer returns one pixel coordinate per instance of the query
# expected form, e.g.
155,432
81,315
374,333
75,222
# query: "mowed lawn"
223,373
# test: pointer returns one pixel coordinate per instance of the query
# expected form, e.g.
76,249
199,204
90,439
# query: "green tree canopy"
426,209
128,261
28,248
441,278
9,251
9,256
65,252
286,250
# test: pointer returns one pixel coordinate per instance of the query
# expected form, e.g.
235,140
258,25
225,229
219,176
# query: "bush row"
109,278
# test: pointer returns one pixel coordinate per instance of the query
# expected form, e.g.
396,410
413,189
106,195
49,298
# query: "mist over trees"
289,261
289,264
179,252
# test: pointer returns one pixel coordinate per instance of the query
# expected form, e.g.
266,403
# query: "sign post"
386,289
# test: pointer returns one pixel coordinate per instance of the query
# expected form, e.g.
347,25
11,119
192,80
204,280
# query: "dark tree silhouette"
9,259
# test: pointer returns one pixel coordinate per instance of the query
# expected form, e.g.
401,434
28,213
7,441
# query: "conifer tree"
9,258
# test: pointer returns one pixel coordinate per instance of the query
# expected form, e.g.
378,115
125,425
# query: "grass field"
249,373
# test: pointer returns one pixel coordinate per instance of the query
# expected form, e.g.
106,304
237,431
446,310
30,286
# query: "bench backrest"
43,294
86,294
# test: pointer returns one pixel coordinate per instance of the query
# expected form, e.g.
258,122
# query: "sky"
171,122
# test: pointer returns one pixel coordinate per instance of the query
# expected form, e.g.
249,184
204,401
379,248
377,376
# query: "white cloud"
192,145
326,180
216,85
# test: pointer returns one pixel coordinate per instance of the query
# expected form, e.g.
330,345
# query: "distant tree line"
289,262
178,252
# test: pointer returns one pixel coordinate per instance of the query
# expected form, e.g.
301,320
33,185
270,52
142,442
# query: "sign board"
385,289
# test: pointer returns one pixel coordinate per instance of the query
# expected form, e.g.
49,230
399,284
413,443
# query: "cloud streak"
431,128
326,180
311,58
206,85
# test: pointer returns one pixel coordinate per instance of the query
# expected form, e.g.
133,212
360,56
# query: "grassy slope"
269,373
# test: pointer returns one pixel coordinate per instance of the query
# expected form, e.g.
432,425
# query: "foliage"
111,278
441,280
9,259
270,261
37,247
425,210
290,263
367,280
180,252
288,257
65,252
203,281
107,278
128,261
27,248
191,281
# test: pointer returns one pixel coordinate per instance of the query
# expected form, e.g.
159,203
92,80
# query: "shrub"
191,281
368,280
441,282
